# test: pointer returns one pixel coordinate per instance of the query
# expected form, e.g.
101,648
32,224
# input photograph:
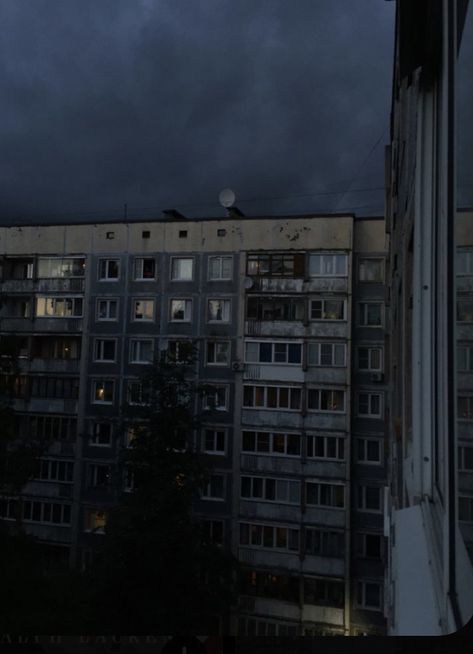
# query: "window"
368,595
144,268
55,470
464,259
465,458
50,268
107,309
323,592
327,310
101,434
218,353
465,508
274,443
59,307
137,392
146,234
256,627
214,441
45,512
98,475
180,351
465,407
328,265
65,388
272,397
109,269
465,310
268,536
103,391
95,521
128,480
214,490
221,232
369,405
143,310
216,398
368,450
330,400
285,491
182,269
370,358
369,499
110,235
275,308
141,350
183,233
327,354
275,265
370,314
321,494
326,447
324,542
220,268
213,531
266,584
181,310
105,349
368,546
267,352
371,270
56,348
218,310
49,427
465,358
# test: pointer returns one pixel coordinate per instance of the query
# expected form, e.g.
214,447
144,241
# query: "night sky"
163,103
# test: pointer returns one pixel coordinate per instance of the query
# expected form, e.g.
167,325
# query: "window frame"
103,380
208,487
339,447
142,259
137,341
107,278
135,301
362,260
257,433
103,340
264,490
370,415
227,304
360,591
55,299
332,486
462,447
323,310
321,390
365,440
171,265
216,407
279,388
363,309
188,302
215,343
108,300
94,434
215,430
221,278
273,345
370,349
361,498
311,345
326,255
262,545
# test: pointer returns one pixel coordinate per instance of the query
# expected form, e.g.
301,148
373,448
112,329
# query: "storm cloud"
163,103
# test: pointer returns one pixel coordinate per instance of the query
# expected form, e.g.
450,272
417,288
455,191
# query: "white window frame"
135,301
363,314
142,392
216,363
361,592
370,413
109,301
206,492
107,261
264,406
216,406
187,309
264,483
226,310
181,279
55,302
332,486
325,256
95,433
99,344
320,390
220,259
273,345
317,347
363,260
339,447
324,301
95,383
364,441
215,437
138,343
269,436
361,503
371,349
139,261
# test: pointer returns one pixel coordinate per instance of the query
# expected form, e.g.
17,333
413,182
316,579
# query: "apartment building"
288,315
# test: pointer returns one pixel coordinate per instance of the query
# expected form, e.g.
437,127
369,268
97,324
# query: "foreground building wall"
289,318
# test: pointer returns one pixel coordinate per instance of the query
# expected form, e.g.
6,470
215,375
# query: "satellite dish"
227,197
248,283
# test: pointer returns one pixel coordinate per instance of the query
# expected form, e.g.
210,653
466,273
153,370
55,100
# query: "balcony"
59,285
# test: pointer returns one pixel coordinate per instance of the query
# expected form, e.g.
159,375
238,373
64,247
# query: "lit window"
144,268
181,310
371,270
107,309
218,310
182,268
103,391
328,265
220,268
141,351
327,310
105,349
95,521
55,307
143,310
370,314
108,269
51,268
218,353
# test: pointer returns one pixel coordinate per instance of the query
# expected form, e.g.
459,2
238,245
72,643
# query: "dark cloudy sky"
163,103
